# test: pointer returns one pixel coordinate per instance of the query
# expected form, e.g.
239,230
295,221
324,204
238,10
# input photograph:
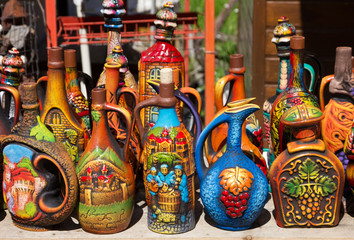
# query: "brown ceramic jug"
40,183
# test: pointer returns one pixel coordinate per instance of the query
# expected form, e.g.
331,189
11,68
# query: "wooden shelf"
265,228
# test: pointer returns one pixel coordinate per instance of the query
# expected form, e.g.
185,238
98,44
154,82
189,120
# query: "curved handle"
237,89
312,73
324,82
13,91
155,101
195,94
199,160
41,90
128,119
128,91
67,171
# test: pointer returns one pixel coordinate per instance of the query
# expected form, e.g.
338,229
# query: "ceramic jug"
5,126
307,179
112,11
294,94
76,98
233,189
168,164
161,55
106,178
339,111
56,111
282,33
40,183
237,92
127,98
248,148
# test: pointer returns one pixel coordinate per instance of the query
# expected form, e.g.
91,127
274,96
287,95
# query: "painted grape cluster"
309,204
235,205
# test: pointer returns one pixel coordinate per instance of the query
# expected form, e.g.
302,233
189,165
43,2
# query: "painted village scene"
138,118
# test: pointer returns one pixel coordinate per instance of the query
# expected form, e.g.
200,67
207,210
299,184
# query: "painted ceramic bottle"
307,180
248,148
233,189
40,183
113,10
237,92
339,112
5,126
125,97
106,179
168,164
12,68
57,113
294,94
349,152
282,34
76,99
161,55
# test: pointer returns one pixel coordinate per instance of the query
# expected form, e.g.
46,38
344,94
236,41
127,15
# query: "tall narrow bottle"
57,113
168,164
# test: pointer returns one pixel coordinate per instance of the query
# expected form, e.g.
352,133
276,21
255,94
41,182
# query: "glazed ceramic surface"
106,178
12,68
161,55
339,112
307,180
233,189
40,184
168,164
294,94
57,113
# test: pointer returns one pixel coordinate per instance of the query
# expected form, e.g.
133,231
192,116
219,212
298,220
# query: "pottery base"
30,227
232,228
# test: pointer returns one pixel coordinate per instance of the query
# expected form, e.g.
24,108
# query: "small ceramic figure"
12,68
40,183
294,94
57,113
339,112
168,164
106,179
161,55
307,180
233,189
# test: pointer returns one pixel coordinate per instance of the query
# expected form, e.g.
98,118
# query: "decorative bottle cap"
166,22
98,96
112,11
236,63
282,33
13,59
70,58
117,56
55,58
297,42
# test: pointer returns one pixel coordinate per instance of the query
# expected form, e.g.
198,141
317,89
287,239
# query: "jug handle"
324,82
129,91
66,169
13,91
199,159
41,91
220,87
195,94
128,119
311,71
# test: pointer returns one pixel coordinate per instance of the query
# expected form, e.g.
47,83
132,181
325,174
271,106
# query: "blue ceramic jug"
233,189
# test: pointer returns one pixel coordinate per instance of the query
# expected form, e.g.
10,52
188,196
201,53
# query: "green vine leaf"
41,132
173,133
157,131
293,187
96,115
325,186
308,170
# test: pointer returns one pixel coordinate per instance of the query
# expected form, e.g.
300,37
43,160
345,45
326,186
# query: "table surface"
264,228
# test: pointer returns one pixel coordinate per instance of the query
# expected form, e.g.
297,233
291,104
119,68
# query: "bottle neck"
283,74
296,81
71,81
167,118
56,85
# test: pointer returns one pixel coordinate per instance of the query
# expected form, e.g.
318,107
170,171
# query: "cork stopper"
236,62
166,75
343,62
167,85
55,58
98,96
70,58
297,42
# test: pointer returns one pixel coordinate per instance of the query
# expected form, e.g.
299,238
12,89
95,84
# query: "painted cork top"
165,23
282,33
